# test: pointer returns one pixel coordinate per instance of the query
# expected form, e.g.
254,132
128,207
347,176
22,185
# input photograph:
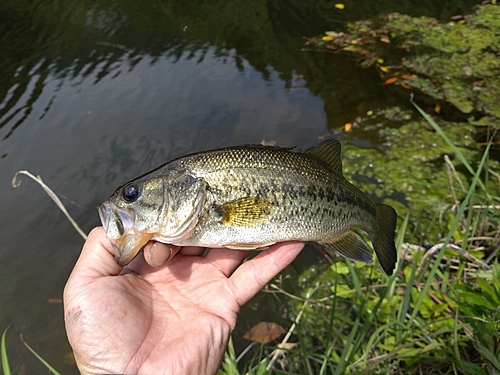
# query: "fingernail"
157,256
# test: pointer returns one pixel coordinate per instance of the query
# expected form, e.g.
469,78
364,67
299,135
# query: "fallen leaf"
339,6
408,76
347,126
390,81
385,39
437,108
384,69
327,38
405,86
264,332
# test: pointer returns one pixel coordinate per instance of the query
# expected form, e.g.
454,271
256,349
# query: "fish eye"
131,192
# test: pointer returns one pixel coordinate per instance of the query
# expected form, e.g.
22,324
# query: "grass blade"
455,149
3,349
463,206
347,348
46,364
16,370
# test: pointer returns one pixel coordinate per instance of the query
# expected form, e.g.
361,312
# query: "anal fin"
351,246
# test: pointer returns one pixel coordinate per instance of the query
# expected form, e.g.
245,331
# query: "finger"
192,250
226,260
157,253
253,275
97,258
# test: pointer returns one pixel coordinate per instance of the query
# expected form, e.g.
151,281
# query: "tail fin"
383,237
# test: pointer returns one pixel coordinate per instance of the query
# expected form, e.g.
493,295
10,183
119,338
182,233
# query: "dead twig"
16,182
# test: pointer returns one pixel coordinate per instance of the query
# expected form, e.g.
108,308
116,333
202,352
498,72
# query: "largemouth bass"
249,197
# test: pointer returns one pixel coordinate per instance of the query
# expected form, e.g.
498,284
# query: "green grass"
5,359
438,313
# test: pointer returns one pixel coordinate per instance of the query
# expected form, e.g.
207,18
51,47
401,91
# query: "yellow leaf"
327,38
348,126
384,69
339,6
437,108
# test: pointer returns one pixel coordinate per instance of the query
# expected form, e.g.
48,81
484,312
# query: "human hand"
172,319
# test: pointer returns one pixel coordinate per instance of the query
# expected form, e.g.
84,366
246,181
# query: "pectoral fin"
245,212
351,246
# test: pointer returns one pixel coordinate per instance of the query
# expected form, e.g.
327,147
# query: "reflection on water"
69,39
93,93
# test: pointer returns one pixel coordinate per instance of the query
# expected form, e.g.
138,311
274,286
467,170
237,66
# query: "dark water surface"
93,93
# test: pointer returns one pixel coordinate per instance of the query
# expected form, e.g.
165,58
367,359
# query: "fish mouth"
119,227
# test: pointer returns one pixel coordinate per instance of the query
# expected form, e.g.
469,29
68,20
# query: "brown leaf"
264,332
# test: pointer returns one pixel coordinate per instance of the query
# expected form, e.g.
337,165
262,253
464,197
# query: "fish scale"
249,197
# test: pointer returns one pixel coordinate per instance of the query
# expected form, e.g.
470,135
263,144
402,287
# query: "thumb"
96,259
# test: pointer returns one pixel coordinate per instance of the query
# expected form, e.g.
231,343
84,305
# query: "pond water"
94,93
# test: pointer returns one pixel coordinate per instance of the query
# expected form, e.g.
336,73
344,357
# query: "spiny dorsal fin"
245,212
330,152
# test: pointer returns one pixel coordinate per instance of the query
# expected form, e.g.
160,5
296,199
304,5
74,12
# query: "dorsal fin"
330,152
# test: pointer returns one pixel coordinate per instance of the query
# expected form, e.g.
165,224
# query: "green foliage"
421,171
457,61
461,59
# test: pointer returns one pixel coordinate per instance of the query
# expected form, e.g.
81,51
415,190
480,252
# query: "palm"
172,319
